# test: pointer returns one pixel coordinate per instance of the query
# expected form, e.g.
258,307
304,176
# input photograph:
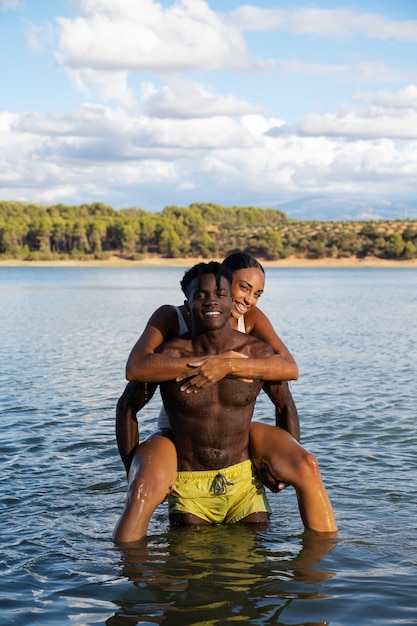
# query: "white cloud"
110,40
212,133
366,71
86,155
405,98
109,86
141,34
330,23
8,5
259,125
185,99
96,150
390,115
354,124
89,120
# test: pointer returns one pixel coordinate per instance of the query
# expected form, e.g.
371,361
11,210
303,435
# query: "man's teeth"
212,313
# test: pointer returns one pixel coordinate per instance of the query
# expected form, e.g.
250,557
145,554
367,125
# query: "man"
216,481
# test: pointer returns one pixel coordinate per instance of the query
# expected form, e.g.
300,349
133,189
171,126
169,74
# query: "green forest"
96,231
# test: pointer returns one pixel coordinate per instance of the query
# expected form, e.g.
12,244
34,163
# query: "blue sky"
307,107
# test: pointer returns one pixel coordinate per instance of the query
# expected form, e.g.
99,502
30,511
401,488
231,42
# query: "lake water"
65,336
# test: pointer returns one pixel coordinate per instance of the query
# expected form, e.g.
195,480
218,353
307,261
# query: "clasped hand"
209,370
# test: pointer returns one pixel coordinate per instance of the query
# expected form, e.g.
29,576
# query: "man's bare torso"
211,427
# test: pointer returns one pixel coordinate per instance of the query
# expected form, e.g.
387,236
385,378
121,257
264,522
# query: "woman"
278,456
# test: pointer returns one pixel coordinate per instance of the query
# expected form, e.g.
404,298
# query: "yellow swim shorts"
219,496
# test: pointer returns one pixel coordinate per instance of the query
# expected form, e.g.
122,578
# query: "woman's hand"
266,477
208,370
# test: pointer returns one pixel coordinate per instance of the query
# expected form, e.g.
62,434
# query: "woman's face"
247,287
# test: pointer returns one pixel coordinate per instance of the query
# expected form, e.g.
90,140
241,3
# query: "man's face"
210,305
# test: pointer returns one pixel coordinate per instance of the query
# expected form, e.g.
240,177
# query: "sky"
307,107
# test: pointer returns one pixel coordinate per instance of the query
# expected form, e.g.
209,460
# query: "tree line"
97,231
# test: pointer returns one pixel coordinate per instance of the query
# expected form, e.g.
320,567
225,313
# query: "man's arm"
286,414
134,398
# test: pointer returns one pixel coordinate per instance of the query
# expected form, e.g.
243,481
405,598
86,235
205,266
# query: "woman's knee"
154,463
159,451
147,487
307,465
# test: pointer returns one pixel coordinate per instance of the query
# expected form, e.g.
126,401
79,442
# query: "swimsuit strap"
182,324
241,324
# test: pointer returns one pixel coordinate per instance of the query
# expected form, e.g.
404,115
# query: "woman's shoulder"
170,319
168,311
166,319
254,317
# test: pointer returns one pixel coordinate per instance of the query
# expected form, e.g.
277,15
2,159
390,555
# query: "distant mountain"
342,208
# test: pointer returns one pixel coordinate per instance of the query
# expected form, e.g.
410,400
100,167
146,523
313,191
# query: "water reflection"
217,575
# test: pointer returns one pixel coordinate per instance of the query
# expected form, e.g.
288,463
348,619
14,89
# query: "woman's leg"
151,477
281,459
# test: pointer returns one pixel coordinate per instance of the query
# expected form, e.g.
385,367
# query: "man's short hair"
205,268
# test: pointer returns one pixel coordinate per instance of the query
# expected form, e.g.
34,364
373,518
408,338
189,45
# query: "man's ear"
187,307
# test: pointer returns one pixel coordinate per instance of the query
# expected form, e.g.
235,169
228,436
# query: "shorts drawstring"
220,484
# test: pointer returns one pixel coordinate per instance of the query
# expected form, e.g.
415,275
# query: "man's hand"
208,370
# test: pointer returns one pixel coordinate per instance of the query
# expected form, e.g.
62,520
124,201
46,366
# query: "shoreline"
350,262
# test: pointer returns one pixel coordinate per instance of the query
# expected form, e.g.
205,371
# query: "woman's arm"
278,367
258,324
143,365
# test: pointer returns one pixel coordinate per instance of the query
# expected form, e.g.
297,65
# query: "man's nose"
212,298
